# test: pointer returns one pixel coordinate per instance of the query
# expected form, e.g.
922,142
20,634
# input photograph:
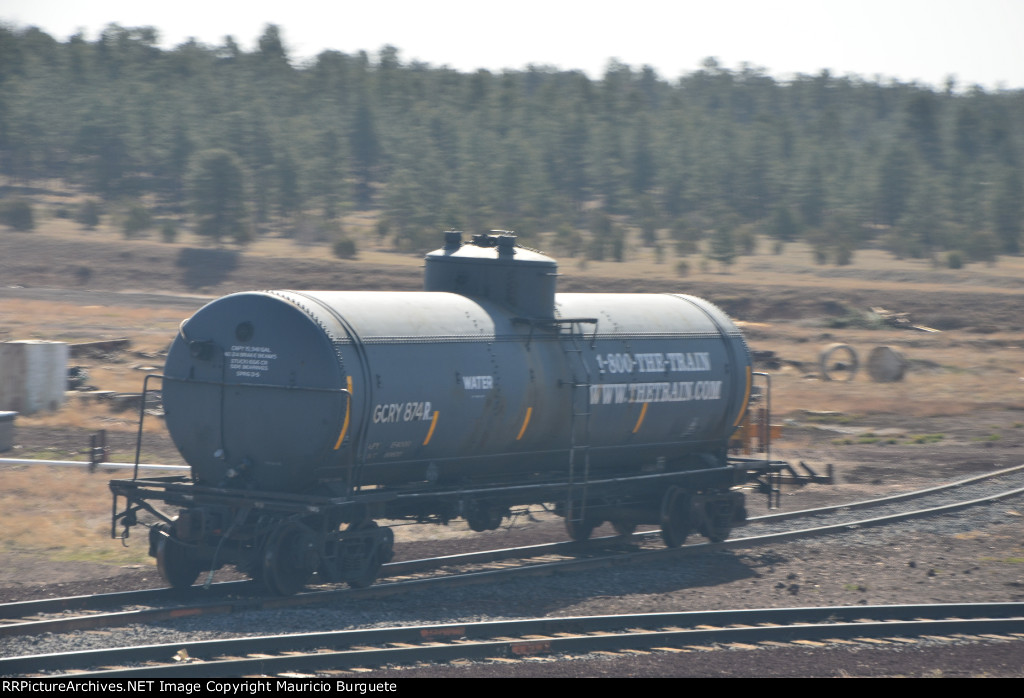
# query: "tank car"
309,416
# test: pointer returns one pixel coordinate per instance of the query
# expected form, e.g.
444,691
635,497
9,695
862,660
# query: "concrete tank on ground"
33,375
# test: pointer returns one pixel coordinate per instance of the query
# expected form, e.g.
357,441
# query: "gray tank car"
308,416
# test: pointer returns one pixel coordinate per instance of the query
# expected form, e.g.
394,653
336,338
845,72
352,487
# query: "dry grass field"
962,400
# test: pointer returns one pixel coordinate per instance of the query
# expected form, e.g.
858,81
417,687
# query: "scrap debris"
899,320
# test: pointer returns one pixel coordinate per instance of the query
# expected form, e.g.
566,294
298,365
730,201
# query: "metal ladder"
764,427
579,424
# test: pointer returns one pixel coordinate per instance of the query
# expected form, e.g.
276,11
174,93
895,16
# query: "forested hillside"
234,144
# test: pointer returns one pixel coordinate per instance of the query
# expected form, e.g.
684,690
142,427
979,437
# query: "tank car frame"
604,407
283,539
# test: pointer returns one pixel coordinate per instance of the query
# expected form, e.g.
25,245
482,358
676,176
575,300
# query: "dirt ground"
959,411
939,299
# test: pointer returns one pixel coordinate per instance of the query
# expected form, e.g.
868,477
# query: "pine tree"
217,192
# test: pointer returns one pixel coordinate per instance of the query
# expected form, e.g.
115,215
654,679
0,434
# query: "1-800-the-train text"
657,362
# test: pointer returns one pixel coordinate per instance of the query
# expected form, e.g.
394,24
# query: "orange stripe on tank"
746,401
430,432
643,413
526,423
348,413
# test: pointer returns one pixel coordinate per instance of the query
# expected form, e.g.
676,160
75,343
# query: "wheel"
624,528
484,518
368,574
716,522
175,563
675,517
386,545
377,549
716,534
289,558
579,530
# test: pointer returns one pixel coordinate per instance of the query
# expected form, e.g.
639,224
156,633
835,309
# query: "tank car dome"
492,266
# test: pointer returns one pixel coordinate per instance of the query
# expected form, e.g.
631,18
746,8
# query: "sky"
923,41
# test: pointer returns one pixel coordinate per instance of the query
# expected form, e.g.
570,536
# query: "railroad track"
92,612
341,652
964,491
